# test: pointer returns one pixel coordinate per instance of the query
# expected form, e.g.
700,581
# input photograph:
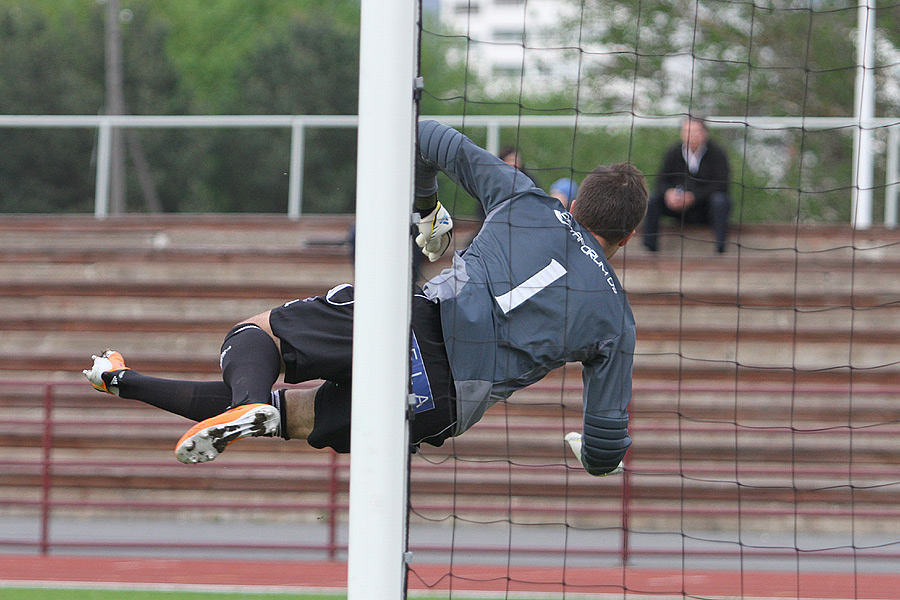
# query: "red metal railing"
46,482
625,499
47,465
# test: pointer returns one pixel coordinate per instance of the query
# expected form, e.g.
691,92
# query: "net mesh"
764,417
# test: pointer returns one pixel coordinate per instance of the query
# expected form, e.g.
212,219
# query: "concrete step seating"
762,377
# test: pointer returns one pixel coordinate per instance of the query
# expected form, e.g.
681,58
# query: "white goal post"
385,172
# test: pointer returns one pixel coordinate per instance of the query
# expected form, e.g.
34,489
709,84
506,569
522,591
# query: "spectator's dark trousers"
712,210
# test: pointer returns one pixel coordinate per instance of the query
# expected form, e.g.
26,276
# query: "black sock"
251,362
196,400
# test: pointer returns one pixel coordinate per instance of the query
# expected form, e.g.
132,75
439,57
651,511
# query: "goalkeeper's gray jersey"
532,292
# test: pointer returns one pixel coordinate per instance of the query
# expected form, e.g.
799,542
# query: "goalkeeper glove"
574,440
435,231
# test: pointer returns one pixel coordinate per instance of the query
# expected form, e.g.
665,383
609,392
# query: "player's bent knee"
260,321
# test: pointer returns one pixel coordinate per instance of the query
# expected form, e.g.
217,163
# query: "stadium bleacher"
764,378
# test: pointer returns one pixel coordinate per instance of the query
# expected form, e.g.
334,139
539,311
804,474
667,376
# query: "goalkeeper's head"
611,202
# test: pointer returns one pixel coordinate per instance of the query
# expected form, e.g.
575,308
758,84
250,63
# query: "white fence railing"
862,200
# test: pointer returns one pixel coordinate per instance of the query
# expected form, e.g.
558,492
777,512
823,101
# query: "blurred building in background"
514,43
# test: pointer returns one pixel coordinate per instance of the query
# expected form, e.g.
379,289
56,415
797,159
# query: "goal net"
764,414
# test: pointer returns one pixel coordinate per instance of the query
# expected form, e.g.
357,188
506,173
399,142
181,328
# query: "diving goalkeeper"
532,292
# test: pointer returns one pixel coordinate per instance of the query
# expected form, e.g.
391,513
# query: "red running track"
59,571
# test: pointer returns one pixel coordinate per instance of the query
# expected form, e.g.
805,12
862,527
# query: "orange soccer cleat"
207,439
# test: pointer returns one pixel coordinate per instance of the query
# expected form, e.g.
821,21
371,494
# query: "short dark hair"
611,201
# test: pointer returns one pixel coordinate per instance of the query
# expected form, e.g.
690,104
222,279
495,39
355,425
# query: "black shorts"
316,338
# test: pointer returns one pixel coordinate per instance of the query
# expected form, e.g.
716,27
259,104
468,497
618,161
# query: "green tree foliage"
722,57
653,57
262,57
307,66
450,88
716,57
54,69
210,40
44,71
153,85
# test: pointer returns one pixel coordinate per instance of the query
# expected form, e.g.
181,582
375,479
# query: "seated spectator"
692,186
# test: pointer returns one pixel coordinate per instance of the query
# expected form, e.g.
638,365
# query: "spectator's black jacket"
712,175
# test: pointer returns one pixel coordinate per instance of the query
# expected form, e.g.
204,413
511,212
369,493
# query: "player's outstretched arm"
481,174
